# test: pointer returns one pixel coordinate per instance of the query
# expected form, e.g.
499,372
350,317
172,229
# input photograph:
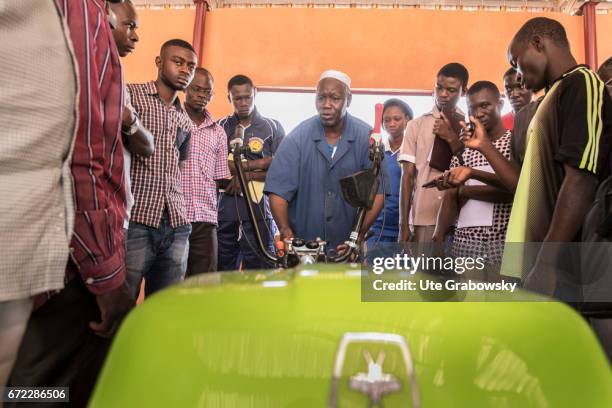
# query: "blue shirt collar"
347,132
256,117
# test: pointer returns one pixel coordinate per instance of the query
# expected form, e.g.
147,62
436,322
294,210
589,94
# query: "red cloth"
97,247
508,120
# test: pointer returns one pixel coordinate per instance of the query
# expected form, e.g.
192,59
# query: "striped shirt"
156,180
572,126
97,159
207,162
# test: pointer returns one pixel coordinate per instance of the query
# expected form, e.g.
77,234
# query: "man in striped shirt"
207,163
64,344
157,243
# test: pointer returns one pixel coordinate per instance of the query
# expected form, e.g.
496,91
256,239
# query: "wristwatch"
133,128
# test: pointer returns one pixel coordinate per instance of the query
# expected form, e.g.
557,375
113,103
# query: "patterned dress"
487,241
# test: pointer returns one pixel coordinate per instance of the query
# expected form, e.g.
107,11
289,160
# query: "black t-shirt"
519,131
573,126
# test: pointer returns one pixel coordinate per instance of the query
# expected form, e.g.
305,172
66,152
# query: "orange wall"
156,27
397,49
604,37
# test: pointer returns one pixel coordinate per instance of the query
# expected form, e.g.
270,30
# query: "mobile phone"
470,128
430,184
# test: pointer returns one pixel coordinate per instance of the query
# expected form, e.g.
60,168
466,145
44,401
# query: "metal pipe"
249,204
590,33
377,155
198,28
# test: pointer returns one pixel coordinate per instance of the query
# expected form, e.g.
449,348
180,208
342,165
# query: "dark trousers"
159,255
202,248
238,244
59,349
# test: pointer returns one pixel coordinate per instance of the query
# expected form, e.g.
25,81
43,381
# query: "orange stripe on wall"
397,49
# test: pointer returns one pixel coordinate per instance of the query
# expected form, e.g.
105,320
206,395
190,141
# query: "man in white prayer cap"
303,182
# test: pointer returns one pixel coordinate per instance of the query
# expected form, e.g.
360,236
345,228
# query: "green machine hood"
304,338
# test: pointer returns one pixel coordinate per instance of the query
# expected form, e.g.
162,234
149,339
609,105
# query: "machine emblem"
374,383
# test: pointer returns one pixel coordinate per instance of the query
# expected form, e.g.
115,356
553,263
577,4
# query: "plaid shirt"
156,180
37,205
207,163
97,159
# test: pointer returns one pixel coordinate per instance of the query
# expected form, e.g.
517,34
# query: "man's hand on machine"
285,233
341,250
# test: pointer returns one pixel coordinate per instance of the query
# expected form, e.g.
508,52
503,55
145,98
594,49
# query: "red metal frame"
199,28
590,33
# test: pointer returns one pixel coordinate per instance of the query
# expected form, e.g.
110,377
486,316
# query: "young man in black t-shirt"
568,150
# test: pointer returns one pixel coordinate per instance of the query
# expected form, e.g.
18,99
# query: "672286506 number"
35,394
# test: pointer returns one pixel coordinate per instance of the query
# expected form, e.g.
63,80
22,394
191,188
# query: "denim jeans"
159,255
239,245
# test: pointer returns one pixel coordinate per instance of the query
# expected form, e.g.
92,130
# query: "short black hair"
400,104
455,70
204,71
510,71
177,42
545,27
605,70
480,85
239,80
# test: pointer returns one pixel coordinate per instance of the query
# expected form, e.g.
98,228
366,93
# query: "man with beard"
207,163
158,233
303,182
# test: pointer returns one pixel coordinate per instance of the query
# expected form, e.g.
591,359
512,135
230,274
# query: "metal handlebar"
296,254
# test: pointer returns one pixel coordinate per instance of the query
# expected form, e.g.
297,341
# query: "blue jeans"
382,246
159,255
237,246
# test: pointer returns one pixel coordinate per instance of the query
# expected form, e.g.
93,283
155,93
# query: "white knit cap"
340,76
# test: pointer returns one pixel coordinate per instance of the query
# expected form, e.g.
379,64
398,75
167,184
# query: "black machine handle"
290,260
377,154
237,152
